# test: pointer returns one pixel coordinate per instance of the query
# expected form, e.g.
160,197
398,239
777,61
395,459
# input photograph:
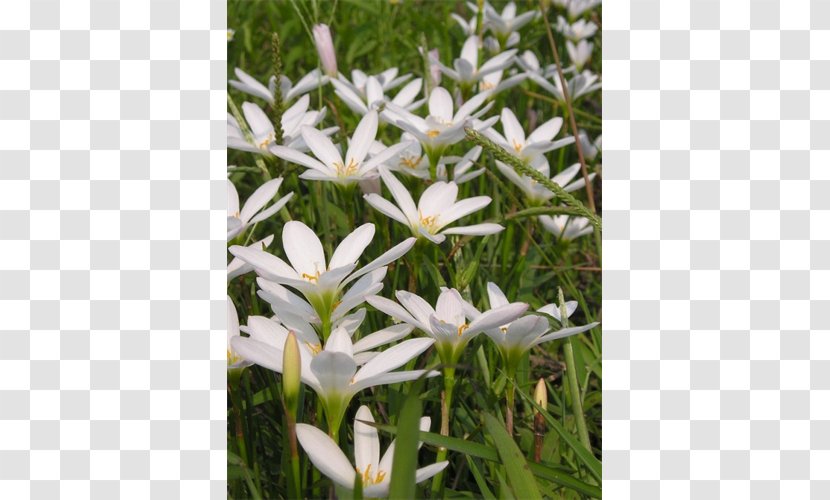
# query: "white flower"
447,323
589,149
466,69
231,33
577,7
566,227
576,31
530,148
376,472
436,209
251,86
494,82
332,373
388,80
411,161
325,48
320,283
468,27
441,128
262,129
235,361
251,213
517,337
329,165
535,191
374,96
506,23
579,53
236,267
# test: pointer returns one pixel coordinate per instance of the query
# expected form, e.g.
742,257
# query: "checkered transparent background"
717,249
112,208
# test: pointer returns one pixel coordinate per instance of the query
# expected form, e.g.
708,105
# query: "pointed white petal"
449,308
363,136
256,352
351,248
496,296
259,199
392,378
437,198
334,371
321,146
395,311
400,194
565,332
340,341
257,119
393,358
382,337
475,230
384,155
385,207
462,209
303,249
267,265
513,131
546,131
326,455
417,306
498,316
366,442
427,472
385,258
233,200
276,207
440,104
293,156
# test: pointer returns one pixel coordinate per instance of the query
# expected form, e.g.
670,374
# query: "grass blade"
405,459
519,476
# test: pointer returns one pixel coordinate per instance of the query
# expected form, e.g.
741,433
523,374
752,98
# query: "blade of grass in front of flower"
518,473
592,464
405,458
482,484
523,169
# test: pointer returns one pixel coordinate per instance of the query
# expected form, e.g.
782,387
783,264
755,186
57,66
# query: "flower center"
462,328
314,348
368,478
411,161
346,170
263,144
517,145
233,358
432,134
429,223
311,277
484,85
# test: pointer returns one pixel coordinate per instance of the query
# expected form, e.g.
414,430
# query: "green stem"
446,413
511,399
573,387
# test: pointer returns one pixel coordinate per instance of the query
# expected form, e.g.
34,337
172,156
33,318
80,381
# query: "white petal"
385,207
449,308
546,131
264,355
233,322
475,230
384,155
383,337
351,248
400,194
392,378
565,332
233,200
374,91
468,107
363,136
440,104
417,306
366,442
303,249
469,52
498,316
385,258
340,341
462,209
276,207
393,358
408,93
260,198
427,472
267,265
326,455
395,311
321,146
293,156
334,371
513,131
257,119
496,296
437,198
498,63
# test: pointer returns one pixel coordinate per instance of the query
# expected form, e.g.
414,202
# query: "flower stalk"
573,382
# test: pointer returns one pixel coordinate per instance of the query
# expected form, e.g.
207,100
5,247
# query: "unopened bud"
291,373
325,48
540,395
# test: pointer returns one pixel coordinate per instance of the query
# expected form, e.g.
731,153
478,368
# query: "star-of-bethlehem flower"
374,95
535,192
329,165
249,85
375,471
322,281
452,323
566,227
507,23
579,30
529,148
333,372
580,85
441,128
466,70
579,53
577,7
251,212
388,80
517,337
436,209
412,161
262,130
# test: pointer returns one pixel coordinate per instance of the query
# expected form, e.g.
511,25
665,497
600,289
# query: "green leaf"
405,459
482,484
518,472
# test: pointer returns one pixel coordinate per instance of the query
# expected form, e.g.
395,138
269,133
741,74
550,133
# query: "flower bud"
291,373
540,395
325,48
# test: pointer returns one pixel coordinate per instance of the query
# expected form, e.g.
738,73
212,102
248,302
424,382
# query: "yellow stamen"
429,223
411,162
311,277
367,475
484,85
233,358
265,142
517,145
314,348
503,329
432,133
462,328
347,170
